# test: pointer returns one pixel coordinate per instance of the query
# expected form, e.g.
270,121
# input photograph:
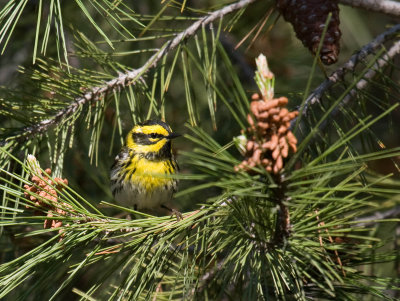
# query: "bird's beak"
174,135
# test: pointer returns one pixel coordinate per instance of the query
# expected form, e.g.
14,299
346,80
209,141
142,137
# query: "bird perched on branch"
141,174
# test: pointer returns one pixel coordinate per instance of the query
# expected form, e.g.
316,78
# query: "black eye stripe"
138,135
154,135
144,139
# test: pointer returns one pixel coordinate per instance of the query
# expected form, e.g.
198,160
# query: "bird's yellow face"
152,136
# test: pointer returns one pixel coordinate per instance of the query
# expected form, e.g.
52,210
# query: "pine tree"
287,188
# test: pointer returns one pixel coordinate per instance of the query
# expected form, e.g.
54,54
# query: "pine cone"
272,123
268,138
44,196
308,18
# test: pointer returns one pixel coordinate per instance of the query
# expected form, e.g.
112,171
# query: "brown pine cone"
269,137
308,18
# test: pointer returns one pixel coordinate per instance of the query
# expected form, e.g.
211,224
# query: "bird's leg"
175,212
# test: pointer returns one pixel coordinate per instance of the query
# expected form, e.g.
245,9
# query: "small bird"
140,175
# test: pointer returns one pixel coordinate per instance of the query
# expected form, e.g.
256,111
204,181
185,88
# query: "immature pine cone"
269,138
44,195
308,18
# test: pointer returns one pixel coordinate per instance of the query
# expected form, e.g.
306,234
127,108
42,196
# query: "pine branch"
383,6
338,75
128,78
207,278
371,220
379,65
363,83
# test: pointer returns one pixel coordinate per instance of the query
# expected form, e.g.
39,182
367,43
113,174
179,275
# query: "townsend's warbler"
140,175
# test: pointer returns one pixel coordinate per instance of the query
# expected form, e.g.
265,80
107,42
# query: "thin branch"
381,63
338,75
363,83
207,278
128,78
388,7
371,220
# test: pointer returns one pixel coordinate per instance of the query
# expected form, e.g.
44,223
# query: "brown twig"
128,78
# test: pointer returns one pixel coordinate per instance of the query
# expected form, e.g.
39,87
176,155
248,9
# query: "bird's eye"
153,135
